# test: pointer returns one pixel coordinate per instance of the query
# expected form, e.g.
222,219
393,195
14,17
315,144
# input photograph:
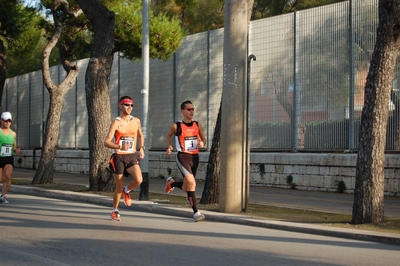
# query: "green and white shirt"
6,144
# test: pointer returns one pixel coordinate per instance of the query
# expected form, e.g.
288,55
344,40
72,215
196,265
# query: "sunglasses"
127,105
190,109
9,120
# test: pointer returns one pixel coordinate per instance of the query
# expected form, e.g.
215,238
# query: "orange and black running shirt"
186,137
126,139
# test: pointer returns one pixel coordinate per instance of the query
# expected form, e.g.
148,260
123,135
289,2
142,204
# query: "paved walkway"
309,200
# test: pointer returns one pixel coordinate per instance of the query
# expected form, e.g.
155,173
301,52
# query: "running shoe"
115,216
198,217
127,198
3,199
168,183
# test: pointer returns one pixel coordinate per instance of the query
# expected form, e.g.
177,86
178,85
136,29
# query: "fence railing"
306,89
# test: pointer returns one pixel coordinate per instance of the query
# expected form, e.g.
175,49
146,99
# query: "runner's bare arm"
108,141
171,132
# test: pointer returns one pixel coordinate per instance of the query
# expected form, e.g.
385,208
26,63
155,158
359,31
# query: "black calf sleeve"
192,200
177,184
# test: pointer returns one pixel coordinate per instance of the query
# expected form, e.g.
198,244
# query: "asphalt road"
47,231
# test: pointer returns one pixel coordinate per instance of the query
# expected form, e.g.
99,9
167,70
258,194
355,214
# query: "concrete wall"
310,171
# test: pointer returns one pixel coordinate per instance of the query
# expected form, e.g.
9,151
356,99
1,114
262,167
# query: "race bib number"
6,150
191,144
128,144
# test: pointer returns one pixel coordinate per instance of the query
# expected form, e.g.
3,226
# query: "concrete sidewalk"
307,200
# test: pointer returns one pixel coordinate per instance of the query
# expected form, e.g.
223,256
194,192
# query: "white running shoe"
3,199
198,216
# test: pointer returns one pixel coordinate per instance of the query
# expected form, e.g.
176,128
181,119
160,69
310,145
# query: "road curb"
153,207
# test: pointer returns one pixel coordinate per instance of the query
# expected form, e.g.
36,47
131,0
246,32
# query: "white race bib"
6,150
128,144
191,144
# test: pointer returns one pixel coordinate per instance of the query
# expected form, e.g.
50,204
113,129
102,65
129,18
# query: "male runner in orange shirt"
123,136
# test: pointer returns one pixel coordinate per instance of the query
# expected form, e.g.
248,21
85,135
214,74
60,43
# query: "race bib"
128,144
191,144
6,150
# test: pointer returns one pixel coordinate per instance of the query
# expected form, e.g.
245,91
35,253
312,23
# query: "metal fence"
306,89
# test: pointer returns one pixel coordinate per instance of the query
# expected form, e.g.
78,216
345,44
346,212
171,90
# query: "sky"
30,2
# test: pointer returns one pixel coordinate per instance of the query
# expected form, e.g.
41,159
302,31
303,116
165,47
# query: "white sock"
115,210
126,189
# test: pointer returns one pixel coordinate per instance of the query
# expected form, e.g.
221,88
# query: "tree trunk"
45,169
44,173
211,186
97,92
368,206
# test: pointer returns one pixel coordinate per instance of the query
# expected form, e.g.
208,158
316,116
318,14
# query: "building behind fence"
306,89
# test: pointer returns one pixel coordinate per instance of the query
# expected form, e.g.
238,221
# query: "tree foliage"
194,15
269,8
26,49
15,20
202,15
24,55
165,36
